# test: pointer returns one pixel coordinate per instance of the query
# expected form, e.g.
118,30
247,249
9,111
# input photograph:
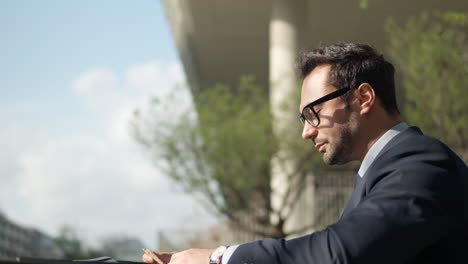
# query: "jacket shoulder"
412,144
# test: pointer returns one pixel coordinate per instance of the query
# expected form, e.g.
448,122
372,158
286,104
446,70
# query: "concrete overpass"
221,40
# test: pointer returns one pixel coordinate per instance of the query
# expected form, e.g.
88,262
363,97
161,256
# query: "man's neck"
376,130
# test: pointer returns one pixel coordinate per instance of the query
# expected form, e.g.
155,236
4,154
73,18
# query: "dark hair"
351,65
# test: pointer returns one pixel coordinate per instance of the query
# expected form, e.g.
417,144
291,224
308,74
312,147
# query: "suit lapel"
358,193
359,182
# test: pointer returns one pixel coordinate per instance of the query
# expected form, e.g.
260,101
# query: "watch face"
218,252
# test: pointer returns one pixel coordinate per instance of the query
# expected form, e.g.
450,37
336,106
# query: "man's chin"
333,160
327,160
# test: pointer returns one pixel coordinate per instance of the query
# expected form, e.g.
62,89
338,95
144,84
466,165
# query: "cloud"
154,77
97,187
98,182
98,89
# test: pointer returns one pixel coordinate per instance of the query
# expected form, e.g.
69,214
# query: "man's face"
338,128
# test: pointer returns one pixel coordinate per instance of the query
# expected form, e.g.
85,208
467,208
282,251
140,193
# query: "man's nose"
309,132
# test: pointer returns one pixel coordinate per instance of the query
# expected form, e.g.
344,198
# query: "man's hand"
190,256
164,257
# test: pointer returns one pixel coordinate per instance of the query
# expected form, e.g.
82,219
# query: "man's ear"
366,97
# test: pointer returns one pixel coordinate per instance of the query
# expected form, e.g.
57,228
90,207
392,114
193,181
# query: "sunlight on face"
338,124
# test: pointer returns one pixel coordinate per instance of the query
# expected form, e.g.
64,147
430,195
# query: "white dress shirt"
378,146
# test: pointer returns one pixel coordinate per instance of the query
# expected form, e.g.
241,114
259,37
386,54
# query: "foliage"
223,151
431,50
363,4
453,18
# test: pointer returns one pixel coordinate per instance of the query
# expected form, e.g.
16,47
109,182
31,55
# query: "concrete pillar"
284,35
285,26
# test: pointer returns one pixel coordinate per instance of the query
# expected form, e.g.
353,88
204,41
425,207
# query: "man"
410,202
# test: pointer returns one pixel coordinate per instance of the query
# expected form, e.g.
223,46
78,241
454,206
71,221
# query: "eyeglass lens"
310,116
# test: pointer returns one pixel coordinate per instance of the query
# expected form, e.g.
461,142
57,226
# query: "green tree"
222,152
431,51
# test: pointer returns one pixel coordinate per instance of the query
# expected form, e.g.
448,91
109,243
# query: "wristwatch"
217,255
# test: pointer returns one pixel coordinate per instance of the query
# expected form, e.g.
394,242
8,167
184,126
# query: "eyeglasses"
308,112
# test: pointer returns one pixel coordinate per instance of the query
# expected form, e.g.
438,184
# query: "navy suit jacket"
411,206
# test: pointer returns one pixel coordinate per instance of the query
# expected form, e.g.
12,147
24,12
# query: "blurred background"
173,124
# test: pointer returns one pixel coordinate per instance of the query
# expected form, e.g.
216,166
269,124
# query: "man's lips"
320,147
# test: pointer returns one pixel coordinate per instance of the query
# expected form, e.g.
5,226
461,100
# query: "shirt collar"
378,146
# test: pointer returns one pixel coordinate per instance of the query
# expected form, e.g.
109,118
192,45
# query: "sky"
71,75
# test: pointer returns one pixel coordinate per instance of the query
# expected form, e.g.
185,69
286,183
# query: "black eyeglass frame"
323,99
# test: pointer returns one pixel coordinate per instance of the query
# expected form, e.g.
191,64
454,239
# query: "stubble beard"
341,151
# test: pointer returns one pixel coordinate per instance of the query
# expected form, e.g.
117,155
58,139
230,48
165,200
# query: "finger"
148,259
155,256
165,256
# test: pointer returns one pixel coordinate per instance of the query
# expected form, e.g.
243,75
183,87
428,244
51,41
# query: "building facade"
19,241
